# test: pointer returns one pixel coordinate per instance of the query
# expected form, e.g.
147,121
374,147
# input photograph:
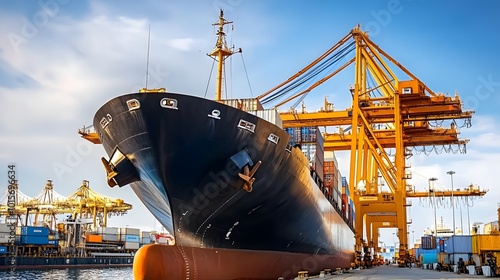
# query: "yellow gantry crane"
83,203
386,113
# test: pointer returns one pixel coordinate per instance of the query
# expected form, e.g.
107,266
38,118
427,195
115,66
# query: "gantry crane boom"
398,118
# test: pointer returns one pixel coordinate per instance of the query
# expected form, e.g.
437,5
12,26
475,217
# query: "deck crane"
391,113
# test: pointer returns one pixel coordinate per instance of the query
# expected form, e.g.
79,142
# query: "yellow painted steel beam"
471,191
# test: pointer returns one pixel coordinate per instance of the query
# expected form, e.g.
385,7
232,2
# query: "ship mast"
220,52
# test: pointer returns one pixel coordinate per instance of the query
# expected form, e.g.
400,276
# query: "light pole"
451,172
434,195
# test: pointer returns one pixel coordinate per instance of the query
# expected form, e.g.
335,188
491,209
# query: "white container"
471,269
145,234
4,228
131,245
4,238
130,231
109,237
146,240
248,104
270,115
108,230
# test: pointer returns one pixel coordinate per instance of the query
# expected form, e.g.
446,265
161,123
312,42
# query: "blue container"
35,231
429,258
132,238
461,244
3,250
33,240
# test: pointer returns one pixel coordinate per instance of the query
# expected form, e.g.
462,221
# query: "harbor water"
69,274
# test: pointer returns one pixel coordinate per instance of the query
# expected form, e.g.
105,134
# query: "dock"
386,272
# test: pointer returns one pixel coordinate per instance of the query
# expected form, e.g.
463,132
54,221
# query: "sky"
60,60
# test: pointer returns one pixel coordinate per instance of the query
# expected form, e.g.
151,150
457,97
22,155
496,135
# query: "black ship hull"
182,155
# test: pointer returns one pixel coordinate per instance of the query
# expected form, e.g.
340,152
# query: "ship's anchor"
109,172
247,176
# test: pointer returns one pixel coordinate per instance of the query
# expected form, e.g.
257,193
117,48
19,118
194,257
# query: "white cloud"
182,44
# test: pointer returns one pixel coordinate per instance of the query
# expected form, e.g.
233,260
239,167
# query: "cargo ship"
71,246
240,197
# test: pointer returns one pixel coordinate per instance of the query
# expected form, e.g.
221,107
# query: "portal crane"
83,203
389,113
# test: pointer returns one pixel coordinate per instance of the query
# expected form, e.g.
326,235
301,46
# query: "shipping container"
130,231
328,167
295,134
345,207
53,242
428,242
320,154
245,104
328,181
485,242
94,238
109,237
4,238
5,228
270,115
35,231
131,245
145,234
146,240
458,244
339,199
130,238
108,230
428,256
33,240
3,250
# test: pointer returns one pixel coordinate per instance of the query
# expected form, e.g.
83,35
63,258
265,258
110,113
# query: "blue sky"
61,60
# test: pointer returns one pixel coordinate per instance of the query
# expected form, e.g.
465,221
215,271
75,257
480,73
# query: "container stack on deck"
325,165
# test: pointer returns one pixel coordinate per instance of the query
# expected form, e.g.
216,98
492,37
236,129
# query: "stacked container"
131,237
33,235
458,246
270,115
329,174
146,237
4,233
312,147
109,234
295,135
428,242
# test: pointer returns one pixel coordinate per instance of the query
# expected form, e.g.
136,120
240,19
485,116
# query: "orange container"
94,238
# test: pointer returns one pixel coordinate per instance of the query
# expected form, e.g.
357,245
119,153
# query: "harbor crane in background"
386,113
83,203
